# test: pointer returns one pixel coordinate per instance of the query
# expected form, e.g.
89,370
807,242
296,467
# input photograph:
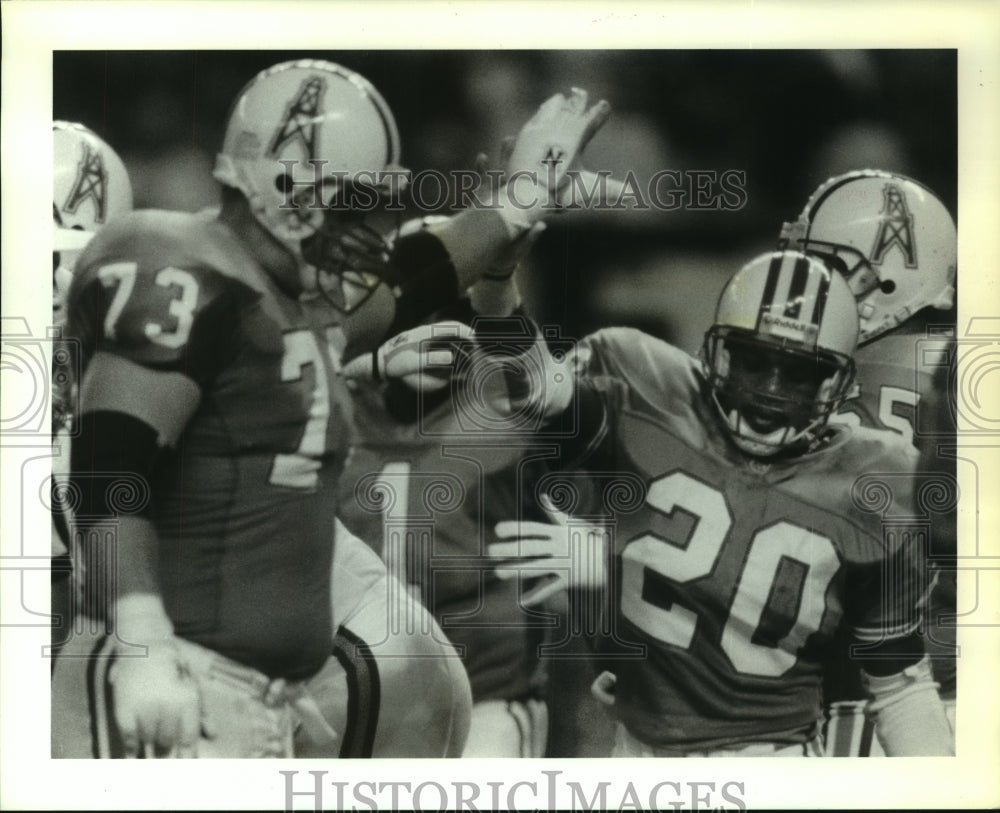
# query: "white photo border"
33,30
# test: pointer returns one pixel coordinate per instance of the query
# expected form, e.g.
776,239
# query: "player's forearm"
585,425
547,385
438,258
137,558
474,239
123,577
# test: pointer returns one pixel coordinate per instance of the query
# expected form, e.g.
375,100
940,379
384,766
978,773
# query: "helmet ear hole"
887,286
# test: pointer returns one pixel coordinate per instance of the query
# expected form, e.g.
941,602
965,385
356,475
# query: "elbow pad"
908,714
423,278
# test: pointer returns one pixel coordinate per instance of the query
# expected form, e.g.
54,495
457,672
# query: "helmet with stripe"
90,186
779,356
314,149
889,236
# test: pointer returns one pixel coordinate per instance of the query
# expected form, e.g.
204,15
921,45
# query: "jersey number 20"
781,584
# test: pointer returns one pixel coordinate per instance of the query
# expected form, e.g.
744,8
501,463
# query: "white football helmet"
784,306
890,237
90,187
313,147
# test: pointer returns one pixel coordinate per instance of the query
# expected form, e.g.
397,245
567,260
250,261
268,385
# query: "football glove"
156,700
529,379
424,357
547,146
569,553
585,189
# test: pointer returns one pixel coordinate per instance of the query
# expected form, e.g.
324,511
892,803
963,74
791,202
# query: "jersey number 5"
779,598
894,405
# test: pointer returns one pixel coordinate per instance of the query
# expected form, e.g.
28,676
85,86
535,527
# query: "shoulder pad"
150,288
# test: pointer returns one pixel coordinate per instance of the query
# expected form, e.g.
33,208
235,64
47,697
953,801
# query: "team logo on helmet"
302,119
895,228
91,183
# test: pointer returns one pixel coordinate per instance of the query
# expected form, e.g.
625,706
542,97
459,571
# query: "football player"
90,186
895,243
428,490
756,534
215,422
410,449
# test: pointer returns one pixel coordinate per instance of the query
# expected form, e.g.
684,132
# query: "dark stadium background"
788,119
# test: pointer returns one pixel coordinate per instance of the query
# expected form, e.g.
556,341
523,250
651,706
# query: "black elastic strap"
111,465
423,276
892,656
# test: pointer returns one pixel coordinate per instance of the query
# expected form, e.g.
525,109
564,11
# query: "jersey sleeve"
619,368
888,574
890,594
164,319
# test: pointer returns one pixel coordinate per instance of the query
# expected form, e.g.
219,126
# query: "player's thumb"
364,366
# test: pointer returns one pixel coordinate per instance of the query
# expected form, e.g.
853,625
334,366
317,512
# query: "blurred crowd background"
787,119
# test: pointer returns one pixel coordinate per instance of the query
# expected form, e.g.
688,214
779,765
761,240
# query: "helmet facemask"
350,252
772,395
342,250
